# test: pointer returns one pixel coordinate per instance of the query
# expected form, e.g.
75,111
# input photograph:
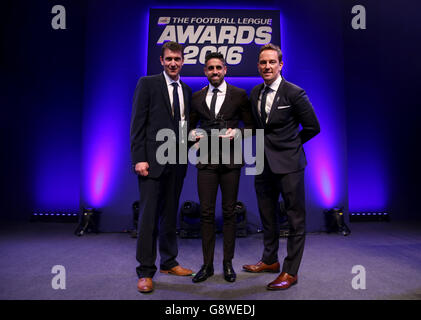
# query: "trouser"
159,202
208,181
268,188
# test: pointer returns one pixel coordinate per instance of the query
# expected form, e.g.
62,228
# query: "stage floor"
103,266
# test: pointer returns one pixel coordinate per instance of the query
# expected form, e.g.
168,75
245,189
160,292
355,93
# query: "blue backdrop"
66,104
116,58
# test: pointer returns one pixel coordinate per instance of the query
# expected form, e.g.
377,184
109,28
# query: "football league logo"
164,20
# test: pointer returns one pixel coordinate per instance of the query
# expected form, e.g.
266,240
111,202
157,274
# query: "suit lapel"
255,102
203,101
186,100
227,100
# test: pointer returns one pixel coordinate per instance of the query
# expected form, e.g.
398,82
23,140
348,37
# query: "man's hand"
142,168
230,134
195,135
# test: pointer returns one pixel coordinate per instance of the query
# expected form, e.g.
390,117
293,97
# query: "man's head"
215,68
270,62
172,59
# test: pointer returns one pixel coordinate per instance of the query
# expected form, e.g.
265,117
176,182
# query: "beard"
216,81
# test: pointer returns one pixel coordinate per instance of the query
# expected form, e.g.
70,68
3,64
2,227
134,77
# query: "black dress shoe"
205,272
229,273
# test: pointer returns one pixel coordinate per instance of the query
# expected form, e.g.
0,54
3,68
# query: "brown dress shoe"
145,285
282,282
178,271
262,267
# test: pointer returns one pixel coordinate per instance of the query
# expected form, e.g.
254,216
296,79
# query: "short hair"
214,55
271,46
173,46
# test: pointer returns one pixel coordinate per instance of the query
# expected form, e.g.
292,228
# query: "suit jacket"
235,107
283,141
152,112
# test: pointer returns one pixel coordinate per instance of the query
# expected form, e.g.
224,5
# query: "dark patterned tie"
176,107
213,103
263,104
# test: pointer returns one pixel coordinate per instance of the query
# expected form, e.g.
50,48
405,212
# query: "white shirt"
270,96
220,96
170,88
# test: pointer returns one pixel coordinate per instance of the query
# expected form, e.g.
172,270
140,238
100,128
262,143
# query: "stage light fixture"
190,220
89,222
59,217
334,221
369,216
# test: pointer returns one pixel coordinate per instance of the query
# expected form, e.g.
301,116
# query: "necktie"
213,103
263,104
176,102
176,107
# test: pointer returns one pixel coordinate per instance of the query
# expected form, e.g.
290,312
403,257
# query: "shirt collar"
275,84
222,87
169,81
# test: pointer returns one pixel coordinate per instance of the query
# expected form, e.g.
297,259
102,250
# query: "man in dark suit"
160,102
219,105
280,107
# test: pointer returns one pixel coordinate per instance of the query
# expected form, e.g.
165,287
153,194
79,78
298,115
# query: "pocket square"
283,107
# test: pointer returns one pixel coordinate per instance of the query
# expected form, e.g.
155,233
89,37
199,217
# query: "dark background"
47,95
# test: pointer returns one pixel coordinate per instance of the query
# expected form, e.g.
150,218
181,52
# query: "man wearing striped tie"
280,108
160,102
